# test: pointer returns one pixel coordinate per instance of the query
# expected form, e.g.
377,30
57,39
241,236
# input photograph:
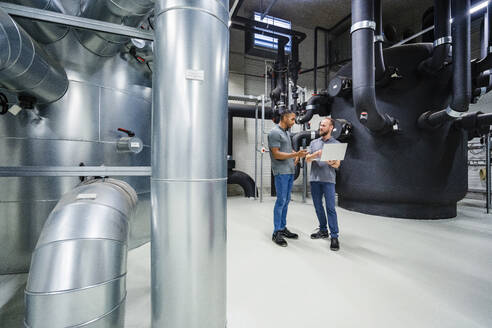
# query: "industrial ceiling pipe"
378,41
189,170
125,12
78,269
364,94
442,37
461,69
25,69
41,31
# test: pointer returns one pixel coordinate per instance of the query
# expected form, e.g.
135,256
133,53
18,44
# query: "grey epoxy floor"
388,273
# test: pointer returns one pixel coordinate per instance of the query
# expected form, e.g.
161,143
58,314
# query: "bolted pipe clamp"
378,38
443,40
454,113
365,24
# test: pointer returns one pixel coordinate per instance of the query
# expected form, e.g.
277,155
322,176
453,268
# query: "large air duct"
364,93
125,12
189,170
41,31
25,68
78,269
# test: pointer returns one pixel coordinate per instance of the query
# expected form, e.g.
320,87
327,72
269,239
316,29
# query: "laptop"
333,152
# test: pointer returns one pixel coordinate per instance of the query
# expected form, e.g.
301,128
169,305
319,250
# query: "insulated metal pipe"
125,12
363,73
25,68
78,269
39,31
189,170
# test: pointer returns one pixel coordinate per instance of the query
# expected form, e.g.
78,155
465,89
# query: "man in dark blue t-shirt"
323,179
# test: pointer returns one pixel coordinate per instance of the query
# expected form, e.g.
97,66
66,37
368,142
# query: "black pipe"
299,137
244,180
442,33
317,104
378,55
364,93
340,62
462,93
485,33
461,55
248,111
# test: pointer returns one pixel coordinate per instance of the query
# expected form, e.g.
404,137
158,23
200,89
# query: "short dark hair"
286,112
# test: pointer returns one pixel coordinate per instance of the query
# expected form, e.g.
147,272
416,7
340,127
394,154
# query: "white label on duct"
195,74
86,196
14,110
134,144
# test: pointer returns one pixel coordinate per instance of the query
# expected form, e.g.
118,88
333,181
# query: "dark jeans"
318,189
283,184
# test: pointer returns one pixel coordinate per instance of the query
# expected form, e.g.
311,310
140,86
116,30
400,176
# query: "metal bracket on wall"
74,171
74,21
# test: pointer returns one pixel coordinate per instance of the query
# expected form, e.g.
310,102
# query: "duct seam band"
67,291
443,40
308,107
225,22
454,113
76,239
365,24
189,180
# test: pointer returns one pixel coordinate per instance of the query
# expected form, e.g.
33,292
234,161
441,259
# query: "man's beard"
322,134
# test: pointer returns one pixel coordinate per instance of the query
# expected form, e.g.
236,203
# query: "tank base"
400,210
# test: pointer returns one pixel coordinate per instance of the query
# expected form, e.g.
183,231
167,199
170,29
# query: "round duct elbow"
78,269
124,12
41,31
25,68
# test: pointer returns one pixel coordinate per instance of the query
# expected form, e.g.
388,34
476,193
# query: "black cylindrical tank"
415,173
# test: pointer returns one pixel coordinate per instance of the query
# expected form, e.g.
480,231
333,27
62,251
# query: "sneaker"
278,239
287,234
335,245
320,234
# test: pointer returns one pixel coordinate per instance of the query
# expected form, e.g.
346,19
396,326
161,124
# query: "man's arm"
313,156
277,154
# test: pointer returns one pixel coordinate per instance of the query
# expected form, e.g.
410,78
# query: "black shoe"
279,239
287,234
335,245
320,234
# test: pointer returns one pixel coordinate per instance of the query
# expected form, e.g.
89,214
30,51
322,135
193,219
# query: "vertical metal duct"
39,31
126,12
78,269
25,68
189,170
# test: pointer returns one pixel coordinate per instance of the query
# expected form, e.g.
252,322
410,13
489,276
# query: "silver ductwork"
126,12
189,171
41,31
25,68
78,269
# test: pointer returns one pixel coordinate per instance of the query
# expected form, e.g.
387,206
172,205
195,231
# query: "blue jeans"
318,189
283,184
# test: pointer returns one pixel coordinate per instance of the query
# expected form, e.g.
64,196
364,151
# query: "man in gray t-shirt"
322,180
284,160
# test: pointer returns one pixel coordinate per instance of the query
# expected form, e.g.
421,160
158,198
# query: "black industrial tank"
414,173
